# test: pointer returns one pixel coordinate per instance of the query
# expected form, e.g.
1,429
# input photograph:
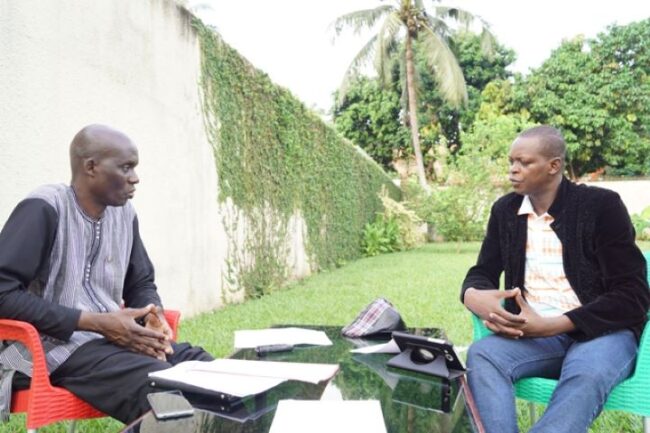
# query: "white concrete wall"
634,193
134,65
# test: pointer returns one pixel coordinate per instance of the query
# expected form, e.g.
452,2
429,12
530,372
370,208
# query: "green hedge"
274,157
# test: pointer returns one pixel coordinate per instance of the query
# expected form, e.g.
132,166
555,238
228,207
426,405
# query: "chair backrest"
647,263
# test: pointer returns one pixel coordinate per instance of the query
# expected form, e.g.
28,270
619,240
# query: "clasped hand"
487,304
155,320
121,327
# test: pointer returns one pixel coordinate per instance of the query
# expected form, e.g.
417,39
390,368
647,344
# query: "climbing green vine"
275,160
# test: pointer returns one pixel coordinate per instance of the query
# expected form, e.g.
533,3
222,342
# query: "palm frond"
459,15
488,40
445,67
362,57
488,43
386,42
438,25
358,20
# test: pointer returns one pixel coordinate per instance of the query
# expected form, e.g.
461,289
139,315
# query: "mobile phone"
169,405
272,348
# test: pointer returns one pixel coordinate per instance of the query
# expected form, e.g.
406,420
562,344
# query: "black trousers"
114,379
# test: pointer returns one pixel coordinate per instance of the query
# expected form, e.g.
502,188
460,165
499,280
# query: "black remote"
271,348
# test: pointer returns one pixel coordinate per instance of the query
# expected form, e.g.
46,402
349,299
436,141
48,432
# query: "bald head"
96,142
103,162
550,139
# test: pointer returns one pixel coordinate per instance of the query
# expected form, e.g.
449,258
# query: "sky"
292,41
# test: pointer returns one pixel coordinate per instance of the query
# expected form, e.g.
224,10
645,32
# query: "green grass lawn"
423,285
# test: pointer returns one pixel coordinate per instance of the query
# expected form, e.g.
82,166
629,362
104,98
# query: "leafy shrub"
408,222
641,224
459,208
396,228
381,236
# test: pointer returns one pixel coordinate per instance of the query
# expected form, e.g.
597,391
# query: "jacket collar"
558,205
561,198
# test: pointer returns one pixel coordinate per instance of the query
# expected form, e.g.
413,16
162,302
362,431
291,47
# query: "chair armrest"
26,334
480,330
173,318
643,356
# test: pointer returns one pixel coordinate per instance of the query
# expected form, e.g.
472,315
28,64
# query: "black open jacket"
601,261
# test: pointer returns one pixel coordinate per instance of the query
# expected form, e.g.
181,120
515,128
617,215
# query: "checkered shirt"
547,289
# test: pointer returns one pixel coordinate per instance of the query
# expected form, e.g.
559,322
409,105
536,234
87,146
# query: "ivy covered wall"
276,163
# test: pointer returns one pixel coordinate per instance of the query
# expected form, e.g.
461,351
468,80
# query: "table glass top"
411,402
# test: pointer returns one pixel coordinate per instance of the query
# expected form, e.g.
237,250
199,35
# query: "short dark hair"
551,139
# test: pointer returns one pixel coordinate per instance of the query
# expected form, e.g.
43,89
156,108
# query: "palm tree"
408,21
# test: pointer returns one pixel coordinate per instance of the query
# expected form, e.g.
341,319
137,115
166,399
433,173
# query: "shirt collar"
526,207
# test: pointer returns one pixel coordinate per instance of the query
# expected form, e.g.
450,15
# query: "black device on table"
273,348
218,400
426,355
169,405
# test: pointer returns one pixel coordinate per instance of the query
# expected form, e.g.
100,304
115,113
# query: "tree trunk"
413,114
572,172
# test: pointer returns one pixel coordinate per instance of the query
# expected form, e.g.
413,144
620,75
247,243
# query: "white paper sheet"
259,337
390,347
240,386
305,372
241,377
349,416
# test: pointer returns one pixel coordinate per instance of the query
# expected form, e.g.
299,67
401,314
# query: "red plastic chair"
43,403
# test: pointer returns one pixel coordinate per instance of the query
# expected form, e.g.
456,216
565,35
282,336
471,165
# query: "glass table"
411,402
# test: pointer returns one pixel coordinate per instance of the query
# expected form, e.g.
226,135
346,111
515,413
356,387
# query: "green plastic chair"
632,395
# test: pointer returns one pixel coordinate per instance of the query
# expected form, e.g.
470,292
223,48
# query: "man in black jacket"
576,297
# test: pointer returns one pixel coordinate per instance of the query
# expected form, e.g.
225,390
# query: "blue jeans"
586,372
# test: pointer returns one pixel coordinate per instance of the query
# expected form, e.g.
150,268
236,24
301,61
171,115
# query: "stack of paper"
313,416
260,337
240,377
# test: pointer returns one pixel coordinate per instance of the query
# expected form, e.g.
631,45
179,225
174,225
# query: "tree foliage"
372,115
409,22
494,129
479,69
370,118
598,93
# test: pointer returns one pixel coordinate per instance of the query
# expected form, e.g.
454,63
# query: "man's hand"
539,326
487,304
120,327
156,320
